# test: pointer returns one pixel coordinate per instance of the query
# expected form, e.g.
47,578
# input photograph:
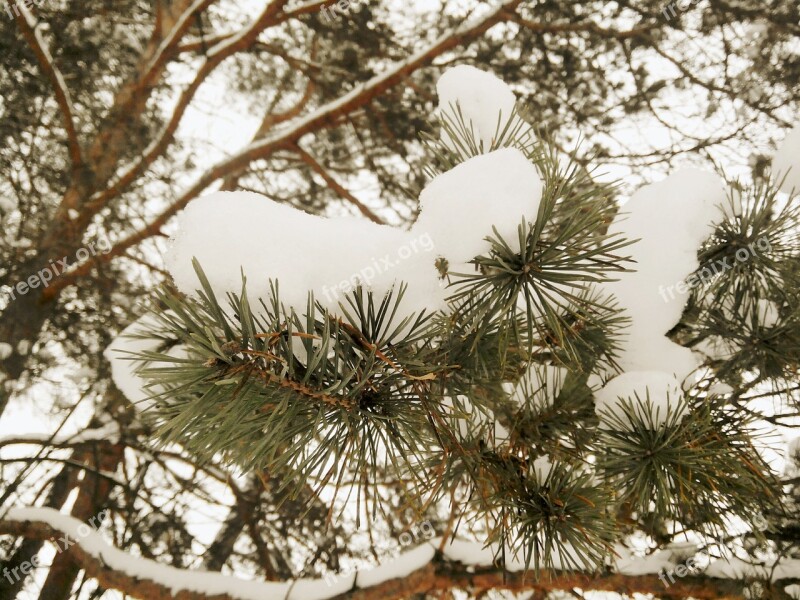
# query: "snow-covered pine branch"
521,299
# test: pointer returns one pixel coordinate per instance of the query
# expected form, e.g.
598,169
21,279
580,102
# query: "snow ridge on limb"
334,255
141,577
33,34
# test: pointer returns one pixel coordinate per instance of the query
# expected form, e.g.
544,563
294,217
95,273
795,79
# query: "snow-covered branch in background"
108,432
31,30
424,568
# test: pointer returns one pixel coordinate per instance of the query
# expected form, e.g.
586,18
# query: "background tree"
96,98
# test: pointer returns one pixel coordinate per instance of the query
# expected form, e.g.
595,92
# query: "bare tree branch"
224,49
336,186
170,42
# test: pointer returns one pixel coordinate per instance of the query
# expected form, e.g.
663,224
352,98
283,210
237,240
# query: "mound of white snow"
671,219
786,162
459,208
484,101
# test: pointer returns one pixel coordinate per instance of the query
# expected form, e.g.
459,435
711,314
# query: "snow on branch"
144,578
229,45
29,26
170,41
108,432
429,567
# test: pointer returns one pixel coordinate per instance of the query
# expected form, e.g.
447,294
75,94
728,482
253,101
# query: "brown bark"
100,457
29,548
93,495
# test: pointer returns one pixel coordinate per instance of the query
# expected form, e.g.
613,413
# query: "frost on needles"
523,362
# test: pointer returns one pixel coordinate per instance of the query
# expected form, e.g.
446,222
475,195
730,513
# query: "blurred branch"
170,41
336,186
585,26
216,55
271,120
29,27
438,575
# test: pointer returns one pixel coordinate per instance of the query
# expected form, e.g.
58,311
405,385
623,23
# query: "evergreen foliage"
461,405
